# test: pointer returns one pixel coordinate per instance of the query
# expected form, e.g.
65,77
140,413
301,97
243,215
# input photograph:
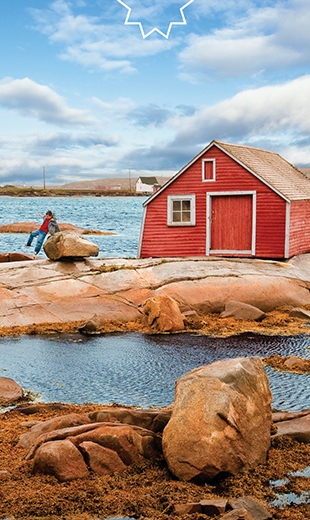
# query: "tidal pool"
138,369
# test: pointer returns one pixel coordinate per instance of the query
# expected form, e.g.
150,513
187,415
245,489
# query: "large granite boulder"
221,420
10,391
68,244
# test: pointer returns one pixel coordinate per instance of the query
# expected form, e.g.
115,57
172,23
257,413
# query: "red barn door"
231,223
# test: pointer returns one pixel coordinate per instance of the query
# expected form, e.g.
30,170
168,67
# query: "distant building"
147,185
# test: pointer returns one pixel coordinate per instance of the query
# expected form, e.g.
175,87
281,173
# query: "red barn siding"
299,227
159,239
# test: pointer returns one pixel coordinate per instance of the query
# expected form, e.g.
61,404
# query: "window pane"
182,210
176,216
186,205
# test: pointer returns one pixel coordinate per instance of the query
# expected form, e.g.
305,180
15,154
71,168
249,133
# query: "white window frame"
171,199
203,162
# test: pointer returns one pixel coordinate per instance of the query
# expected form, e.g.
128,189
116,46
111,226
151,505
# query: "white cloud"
31,99
265,111
95,41
261,39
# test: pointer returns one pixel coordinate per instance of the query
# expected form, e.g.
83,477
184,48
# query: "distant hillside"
113,183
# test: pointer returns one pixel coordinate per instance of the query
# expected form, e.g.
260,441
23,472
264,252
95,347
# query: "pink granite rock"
220,422
60,459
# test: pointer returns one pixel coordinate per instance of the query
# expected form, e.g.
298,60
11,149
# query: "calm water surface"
138,369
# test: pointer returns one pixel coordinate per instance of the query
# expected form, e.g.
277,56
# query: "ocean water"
120,215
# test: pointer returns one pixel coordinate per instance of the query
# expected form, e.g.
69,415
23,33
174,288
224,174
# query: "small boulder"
242,311
163,314
68,244
60,459
10,391
220,422
93,326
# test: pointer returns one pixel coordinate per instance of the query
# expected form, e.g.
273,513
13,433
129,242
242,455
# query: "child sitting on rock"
49,225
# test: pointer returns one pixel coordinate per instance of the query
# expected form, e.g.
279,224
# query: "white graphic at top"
155,29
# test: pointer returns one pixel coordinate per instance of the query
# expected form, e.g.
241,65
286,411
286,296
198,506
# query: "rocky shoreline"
43,296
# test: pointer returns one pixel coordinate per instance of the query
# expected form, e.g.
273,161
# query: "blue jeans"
41,236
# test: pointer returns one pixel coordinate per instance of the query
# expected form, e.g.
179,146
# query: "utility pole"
44,177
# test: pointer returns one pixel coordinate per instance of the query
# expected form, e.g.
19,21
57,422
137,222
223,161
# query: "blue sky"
86,96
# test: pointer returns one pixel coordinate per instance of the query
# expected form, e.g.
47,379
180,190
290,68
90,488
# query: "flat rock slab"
48,292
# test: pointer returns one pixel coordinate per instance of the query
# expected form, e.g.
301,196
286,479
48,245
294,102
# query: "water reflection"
137,369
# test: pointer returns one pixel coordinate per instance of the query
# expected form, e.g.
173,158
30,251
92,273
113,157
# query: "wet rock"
60,459
221,420
68,244
10,391
163,314
257,510
298,429
242,311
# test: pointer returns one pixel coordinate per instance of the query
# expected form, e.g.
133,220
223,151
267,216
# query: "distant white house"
147,185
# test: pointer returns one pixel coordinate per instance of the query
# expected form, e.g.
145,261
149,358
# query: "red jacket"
44,226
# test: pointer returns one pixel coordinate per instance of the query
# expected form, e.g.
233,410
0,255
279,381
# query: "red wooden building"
230,200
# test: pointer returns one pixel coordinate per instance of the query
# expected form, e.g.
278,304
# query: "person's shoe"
27,245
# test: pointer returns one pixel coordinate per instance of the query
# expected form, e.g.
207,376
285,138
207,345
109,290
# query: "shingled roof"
148,180
269,167
292,183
